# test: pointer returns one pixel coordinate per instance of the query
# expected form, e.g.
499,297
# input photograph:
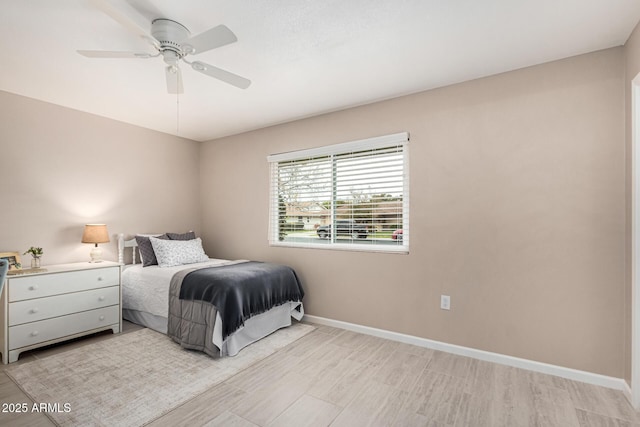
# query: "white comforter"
146,289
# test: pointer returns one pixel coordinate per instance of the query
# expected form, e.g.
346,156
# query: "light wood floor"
340,378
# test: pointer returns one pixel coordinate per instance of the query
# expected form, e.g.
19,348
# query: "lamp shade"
95,233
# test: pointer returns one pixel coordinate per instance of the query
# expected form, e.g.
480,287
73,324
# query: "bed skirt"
255,328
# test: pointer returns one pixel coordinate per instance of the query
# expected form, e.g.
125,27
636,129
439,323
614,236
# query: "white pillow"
178,252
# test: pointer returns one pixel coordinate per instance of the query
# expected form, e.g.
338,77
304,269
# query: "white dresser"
65,301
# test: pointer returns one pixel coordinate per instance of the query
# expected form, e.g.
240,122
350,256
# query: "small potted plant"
36,253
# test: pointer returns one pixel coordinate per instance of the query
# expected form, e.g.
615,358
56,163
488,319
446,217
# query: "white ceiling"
304,57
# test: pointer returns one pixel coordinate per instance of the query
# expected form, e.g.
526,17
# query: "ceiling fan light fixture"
170,57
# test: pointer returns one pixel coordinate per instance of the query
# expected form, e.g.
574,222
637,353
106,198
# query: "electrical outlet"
445,302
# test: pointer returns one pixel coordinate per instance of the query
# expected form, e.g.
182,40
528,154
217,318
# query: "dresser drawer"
22,288
32,310
58,327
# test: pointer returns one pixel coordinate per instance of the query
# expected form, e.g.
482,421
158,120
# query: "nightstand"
65,301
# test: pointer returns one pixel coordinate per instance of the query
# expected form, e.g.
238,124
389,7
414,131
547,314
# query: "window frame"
387,141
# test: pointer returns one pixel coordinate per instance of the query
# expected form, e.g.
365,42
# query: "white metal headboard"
122,244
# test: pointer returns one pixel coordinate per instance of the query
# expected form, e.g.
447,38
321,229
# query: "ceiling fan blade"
220,74
113,54
130,19
174,79
210,39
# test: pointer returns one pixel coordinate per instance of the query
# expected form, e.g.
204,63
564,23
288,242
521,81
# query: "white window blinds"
346,196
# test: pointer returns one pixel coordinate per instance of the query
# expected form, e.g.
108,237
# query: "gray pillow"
146,249
189,235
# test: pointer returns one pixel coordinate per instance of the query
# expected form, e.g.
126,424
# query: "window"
346,196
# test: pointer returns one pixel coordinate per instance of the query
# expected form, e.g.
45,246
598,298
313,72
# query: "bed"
178,300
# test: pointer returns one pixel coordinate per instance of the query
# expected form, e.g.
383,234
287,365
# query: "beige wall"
517,205
632,59
517,212
60,169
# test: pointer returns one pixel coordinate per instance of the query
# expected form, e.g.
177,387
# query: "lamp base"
96,254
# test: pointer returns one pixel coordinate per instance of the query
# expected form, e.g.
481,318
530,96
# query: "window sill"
353,247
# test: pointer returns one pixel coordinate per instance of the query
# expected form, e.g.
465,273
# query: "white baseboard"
626,389
531,365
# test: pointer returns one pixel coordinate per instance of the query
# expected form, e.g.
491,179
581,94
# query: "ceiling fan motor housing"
170,34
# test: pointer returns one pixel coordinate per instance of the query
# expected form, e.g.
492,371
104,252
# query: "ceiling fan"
174,43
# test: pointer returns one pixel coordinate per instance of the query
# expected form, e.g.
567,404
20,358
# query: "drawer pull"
100,298
34,333
34,310
33,287
101,318
100,279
